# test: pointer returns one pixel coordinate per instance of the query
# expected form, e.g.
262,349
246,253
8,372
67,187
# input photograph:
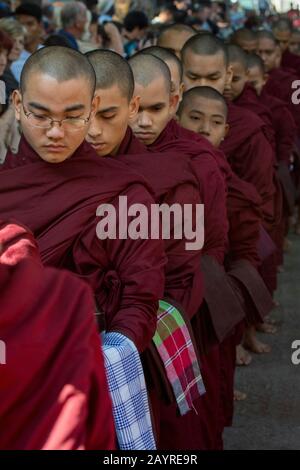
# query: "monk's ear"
227,127
181,90
17,102
229,76
174,102
134,107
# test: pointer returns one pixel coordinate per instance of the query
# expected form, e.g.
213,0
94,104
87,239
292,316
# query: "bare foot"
280,269
253,344
239,396
267,328
243,358
276,303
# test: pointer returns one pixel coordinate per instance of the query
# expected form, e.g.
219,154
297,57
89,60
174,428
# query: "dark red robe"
290,61
279,84
58,202
53,389
172,181
201,432
285,137
248,99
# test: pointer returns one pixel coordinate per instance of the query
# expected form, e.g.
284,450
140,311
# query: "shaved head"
166,55
283,24
269,49
245,38
174,28
237,54
60,63
266,35
204,111
146,68
255,61
202,92
111,69
282,30
243,34
175,36
205,44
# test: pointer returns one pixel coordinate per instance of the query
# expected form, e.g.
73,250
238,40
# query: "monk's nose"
94,130
56,131
205,128
144,120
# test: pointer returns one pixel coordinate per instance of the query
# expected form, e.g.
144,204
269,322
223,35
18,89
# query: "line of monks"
188,121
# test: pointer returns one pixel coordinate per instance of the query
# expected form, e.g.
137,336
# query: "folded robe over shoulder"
53,389
248,99
251,157
58,202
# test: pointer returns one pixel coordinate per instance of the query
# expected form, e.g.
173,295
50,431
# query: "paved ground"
270,417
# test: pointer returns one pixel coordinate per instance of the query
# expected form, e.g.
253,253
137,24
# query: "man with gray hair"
73,19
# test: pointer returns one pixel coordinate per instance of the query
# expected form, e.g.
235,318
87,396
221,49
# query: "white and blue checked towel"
128,392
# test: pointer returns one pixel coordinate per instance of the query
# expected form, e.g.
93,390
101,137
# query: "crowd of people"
132,342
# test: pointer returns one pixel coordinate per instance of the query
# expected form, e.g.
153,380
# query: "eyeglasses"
45,122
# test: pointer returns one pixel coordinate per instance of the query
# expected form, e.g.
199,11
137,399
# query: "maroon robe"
211,183
58,202
203,429
279,84
284,125
53,389
172,181
290,61
285,137
248,99
252,158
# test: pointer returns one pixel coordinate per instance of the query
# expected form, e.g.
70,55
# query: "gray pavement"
270,417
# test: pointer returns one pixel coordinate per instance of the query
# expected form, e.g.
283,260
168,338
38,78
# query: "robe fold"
53,389
251,157
249,99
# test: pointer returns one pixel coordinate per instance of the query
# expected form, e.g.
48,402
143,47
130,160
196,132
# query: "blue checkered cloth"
128,392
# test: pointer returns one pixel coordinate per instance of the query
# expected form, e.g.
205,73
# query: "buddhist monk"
241,93
204,111
54,106
249,153
280,81
283,30
173,37
165,135
285,134
294,44
53,393
169,176
246,39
